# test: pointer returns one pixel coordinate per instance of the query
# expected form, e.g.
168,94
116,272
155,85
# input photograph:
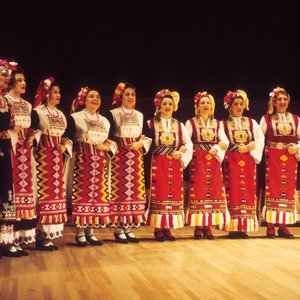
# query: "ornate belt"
279,145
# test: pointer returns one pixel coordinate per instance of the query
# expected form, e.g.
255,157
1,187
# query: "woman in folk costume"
22,138
244,152
172,151
207,205
51,123
128,195
7,200
89,132
282,152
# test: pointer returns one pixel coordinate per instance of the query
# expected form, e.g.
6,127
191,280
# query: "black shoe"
198,234
54,247
243,235
7,253
119,239
23,252
207,234
233,235
131,239
80,243
168,235
159,235
41,247
285,234
93,242
271,233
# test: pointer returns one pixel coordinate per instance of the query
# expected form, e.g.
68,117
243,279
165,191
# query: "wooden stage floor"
257,268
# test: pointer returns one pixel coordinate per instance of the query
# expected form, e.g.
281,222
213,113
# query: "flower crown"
79,101
276,91
43,90
162,94
229,98
231,95
9,65
273,95
118,93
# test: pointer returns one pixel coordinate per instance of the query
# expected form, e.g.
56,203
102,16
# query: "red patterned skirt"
90,202
22,181
166,204
240,184
207,203
51,198
128,196
281,179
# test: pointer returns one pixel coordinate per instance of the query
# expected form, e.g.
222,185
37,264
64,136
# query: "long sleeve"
259,139
186,157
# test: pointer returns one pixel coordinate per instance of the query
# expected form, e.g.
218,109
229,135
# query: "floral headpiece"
273,95
8,65
118,94
200,95
231,95
162,94
43,91
79,101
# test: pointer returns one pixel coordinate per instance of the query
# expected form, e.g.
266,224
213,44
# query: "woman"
51,123
22,140
244,152
128,196
89,132
207,204
282,152
172,151
7,201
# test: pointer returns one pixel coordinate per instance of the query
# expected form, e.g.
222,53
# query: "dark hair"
12,80
129,86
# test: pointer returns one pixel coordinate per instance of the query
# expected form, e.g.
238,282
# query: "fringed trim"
128,221
6,234
207,219
279,217
26,214
243,224
166,221
54,219
90,221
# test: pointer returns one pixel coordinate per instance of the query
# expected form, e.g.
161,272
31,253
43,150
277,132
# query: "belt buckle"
279,146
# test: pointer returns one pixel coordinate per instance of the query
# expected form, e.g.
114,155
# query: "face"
93,101
167,107
20,84
281,103
129,98
204,106
237,107
4,77
54,96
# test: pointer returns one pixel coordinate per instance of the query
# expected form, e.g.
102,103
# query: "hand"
176,155
251,146
292,148
61,148
135,146
17,129
243,148
183,149
102,147
4,135
222,145
29,140
213,151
